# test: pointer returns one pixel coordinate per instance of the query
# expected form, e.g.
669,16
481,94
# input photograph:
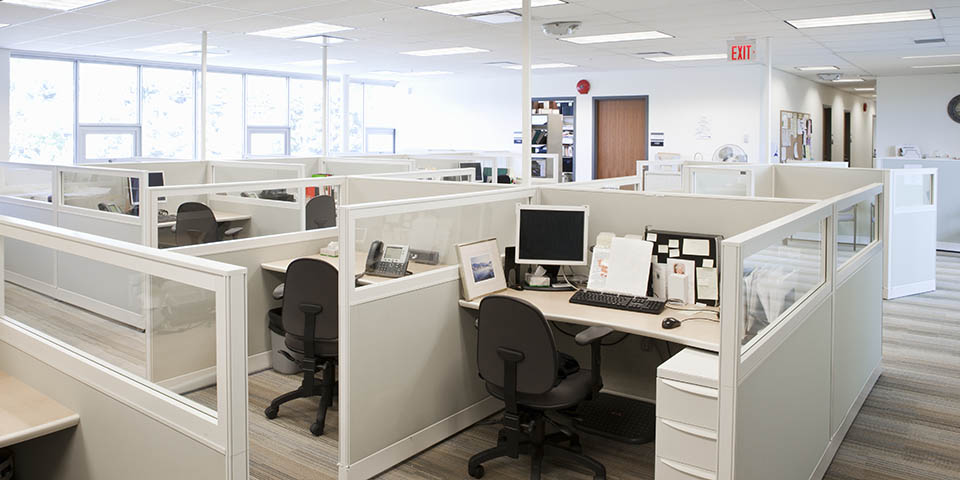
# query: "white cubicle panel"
250,171
365,189
364,166
719,181
910,232
92,366
948,196
446,174
175,172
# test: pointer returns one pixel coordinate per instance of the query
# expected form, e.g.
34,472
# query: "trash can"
6,464
280,363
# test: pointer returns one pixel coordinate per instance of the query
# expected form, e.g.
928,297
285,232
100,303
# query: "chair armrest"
278,292
592,334
173,229
233,231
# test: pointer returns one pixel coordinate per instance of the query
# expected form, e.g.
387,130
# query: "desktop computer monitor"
476,166
552,235
154,179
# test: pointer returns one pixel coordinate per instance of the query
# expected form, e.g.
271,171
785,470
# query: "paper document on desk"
599,263
629,266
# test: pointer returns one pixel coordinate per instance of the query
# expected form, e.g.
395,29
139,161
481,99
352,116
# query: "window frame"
254,130
379,131
104,129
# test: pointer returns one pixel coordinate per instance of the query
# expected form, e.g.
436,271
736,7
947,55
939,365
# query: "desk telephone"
387,260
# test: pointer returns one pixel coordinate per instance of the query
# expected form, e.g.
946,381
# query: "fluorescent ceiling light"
302,30
445,51
388,73
824,68
181,48
617,37
319,63
848,80
322,39
497,18
4,25
471,7
864,89
952,65
688,58
947,55
501,64
888,17
54,4
542,66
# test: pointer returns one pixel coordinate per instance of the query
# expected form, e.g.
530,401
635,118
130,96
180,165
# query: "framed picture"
480,270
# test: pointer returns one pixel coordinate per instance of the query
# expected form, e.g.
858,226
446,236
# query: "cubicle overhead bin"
948,196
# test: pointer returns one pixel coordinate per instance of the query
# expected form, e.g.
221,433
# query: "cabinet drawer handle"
692,389
695,431
687,470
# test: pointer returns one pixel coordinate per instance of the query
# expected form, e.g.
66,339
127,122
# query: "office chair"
310,324
321,212
518,360
197,224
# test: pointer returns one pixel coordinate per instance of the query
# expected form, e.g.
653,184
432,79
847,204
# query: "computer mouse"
671,323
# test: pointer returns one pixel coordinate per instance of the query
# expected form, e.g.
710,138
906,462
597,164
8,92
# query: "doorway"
620,135
847,138
827,134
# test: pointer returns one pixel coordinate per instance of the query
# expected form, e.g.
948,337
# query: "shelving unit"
560,127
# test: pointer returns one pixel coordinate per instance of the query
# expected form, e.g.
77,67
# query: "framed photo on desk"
480,270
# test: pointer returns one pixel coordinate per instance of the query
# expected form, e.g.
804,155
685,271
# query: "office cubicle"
947,196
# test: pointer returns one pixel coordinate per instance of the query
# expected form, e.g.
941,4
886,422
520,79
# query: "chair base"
538,445
325,390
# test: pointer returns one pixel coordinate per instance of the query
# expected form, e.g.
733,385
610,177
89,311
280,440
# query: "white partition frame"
690,174
365,165
469,173
635,181
225,430
910,234
295,169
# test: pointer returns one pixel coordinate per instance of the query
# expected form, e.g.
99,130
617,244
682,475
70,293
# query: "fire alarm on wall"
864,107
583,87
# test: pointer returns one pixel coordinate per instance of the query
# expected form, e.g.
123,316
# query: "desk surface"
26,413
556,306
280,266
220,216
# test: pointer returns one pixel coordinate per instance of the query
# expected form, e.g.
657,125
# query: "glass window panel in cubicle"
722,182
913,190
857,228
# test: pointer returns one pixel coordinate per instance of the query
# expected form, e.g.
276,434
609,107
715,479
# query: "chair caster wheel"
271,412
476,472
316,429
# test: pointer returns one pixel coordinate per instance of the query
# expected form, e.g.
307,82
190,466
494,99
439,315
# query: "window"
225,115
306,117
103,143
381,106
381,140
168,113
335,117
355,118
41,111
268,141
108,94
266,101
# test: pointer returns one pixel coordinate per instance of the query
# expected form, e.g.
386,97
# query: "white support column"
767,133
203,97
345,114
4,105
326,103
525,98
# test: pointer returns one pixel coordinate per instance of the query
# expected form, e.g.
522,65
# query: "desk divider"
446,174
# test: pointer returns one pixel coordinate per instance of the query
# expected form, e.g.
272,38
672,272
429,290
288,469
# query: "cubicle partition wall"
175,172
446,174
365,165
947,195
129,422
249,171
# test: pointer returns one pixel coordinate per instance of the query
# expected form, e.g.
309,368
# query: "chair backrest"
518,325
311,281
321,212
195,224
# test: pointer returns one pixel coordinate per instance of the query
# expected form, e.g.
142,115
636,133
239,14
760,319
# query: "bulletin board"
796,132
702,252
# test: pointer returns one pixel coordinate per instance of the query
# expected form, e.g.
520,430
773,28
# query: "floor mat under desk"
618,418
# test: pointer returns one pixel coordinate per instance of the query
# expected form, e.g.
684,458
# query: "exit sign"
742,50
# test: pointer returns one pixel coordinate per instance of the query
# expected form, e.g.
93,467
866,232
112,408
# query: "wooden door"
621,135
827,134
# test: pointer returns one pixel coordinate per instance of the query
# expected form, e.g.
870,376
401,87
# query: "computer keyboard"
620,302
166,218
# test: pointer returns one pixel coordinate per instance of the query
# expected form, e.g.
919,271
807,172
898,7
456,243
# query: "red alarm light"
583,87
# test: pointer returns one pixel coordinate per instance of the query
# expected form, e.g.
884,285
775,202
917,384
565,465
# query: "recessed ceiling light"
617,37
55,4
688,58
182,48
497,18
542,66
471,7
848,80
887,17
302,30
952,65
444,51
823,68
4,25
319,63
322,39
428,73
945,55
864,89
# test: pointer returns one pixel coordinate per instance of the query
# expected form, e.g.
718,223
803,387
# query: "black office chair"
197,224
518,359
310,325
321,212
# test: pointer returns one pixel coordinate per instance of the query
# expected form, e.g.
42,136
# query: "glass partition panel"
97,191
912,190
26,183
434,231
779,276
722,182
226,173
857,228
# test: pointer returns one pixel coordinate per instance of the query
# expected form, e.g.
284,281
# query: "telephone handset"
387,260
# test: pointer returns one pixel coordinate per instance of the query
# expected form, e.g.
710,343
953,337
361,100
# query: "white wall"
790,92
4,105
914,111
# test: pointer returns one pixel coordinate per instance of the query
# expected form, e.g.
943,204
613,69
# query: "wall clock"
953,109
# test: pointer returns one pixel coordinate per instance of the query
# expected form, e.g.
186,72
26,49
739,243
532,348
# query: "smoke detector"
829,77
560,29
